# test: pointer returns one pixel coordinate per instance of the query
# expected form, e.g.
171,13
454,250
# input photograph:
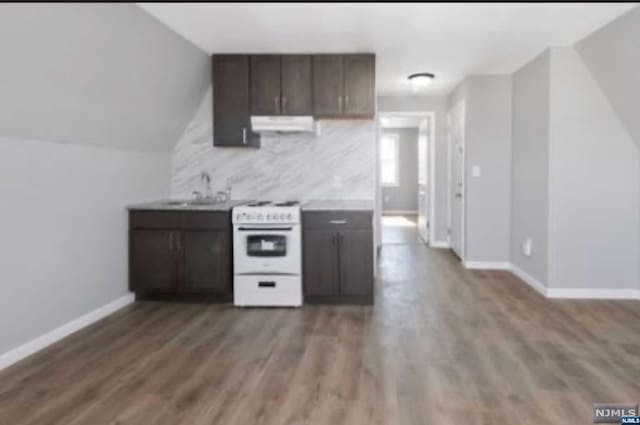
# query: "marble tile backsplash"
337,163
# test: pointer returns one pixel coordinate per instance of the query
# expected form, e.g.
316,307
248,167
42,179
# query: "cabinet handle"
284,103
338,221
340,103
171,241
244,136
346,102
275,103
179,243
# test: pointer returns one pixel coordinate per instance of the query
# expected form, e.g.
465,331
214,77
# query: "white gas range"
267,256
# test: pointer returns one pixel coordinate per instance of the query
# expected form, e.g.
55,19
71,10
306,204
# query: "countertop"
164,205
338,205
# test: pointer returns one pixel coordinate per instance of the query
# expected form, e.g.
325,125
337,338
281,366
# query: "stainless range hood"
283,124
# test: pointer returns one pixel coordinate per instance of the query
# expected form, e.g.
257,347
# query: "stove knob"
268,216
259,217
289,216
283,216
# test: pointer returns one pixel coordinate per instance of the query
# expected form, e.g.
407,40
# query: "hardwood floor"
442,345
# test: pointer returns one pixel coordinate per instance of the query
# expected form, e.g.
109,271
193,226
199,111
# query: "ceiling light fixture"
421,80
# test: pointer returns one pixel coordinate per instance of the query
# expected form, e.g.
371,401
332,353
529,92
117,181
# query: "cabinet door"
359,85
265,84
356,262
320,269
328,85
231,102
297,96
152,261
206,262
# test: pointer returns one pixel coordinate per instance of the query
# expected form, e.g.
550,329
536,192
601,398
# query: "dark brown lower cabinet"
338,257
184,256
207,262
153,261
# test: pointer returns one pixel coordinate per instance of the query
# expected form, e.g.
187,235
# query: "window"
389,160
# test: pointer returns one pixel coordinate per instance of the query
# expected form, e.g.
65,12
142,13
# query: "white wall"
98,74
439,106
488,147
612,55
530,167
594,175
86,88
64,230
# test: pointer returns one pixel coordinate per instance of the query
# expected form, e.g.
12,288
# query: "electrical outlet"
527,247
475,171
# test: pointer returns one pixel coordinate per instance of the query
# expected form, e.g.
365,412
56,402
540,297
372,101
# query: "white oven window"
266,246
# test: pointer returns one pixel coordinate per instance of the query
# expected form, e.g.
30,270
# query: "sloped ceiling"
450,39
612,55
96,74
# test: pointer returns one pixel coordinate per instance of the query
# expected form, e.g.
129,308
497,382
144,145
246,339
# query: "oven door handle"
265,229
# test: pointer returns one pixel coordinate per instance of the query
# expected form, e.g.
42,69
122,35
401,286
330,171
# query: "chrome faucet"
205,179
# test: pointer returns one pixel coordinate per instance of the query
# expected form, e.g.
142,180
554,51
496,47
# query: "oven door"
260,249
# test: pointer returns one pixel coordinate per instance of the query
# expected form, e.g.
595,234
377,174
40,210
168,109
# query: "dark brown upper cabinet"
281,85
328,85
359,85
265,84
344,86
297,97
232,102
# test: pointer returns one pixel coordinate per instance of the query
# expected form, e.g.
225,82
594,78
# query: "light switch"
527,247
475,171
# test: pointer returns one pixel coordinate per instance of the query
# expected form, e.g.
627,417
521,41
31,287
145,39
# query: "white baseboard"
592,294
487,265
51,337
439,244
575,293
529,280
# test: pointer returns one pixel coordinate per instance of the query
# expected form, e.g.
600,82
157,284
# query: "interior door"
423,182
457,131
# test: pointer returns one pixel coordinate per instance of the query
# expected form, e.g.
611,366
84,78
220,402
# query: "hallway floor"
442,345
400,229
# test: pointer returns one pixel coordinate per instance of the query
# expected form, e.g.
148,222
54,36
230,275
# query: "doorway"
405,152
457,179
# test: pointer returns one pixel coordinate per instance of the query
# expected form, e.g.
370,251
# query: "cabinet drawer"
267,291
206,220
337,219
154,220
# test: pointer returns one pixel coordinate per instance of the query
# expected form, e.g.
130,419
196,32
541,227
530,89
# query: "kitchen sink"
194,202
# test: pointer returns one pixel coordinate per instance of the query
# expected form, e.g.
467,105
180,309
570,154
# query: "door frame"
462,104
431,165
